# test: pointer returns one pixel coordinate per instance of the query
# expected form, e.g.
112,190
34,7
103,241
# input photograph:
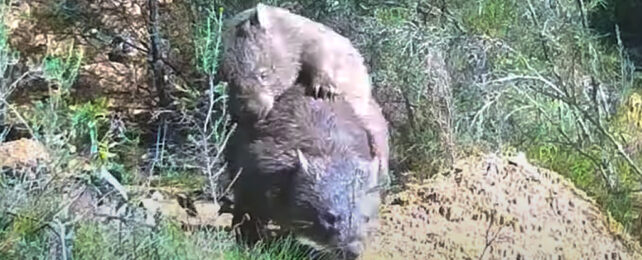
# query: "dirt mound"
497,209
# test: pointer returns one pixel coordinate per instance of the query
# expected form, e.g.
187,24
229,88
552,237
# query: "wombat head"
334,205
257,62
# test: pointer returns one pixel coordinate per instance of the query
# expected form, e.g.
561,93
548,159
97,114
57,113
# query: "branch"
154,54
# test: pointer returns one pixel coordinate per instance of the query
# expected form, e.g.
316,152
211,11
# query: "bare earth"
489,208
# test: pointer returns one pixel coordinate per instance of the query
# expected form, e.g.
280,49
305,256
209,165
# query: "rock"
199,213
22,153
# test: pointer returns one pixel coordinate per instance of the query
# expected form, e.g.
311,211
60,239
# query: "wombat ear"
254,19
261,17
305,165
303,162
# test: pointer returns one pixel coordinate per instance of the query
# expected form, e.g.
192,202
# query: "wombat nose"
353,250
329,219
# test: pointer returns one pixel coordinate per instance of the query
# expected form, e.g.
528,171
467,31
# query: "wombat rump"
310,167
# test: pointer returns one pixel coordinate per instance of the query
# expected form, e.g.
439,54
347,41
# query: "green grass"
26,237
491,17
584,173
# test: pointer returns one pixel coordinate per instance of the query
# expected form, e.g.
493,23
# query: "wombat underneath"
268,49
310,167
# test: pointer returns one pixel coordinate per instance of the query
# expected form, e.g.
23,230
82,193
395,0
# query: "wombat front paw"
328,92
323,88
325,91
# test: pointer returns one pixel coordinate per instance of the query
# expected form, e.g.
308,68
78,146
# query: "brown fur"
316,194
267,49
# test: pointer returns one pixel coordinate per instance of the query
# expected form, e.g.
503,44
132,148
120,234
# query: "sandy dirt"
492,208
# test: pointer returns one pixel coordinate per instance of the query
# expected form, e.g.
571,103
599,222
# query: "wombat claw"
325,91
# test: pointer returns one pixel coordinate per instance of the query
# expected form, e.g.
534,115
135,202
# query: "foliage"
212,120
207,41
24,216
493,17
29,229
560,110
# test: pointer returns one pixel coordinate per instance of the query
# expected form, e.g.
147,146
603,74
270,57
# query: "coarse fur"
310,167
268,49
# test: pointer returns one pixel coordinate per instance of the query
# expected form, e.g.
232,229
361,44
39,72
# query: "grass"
492,17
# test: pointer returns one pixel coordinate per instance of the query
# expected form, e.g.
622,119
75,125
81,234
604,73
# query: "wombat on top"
268,49
309,166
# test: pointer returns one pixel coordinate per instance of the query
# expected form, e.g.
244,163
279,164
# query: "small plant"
215,129
86,119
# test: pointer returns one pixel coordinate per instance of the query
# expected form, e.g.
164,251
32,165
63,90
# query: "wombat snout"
353,250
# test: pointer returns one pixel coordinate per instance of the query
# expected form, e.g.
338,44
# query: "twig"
229,186
15,83
123,219
541,34
538,77
491,240
154,54
61,235
227,138
33,134
580,5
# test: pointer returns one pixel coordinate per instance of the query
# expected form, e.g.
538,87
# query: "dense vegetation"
554,79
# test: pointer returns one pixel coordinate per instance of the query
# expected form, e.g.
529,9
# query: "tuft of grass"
169,241
490,17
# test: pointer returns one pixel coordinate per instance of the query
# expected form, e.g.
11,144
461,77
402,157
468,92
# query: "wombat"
310,167
268,49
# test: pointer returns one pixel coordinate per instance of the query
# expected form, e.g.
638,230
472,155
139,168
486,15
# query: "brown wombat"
310,167
268,49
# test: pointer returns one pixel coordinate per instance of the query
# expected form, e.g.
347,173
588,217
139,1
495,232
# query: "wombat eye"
330,218
263,74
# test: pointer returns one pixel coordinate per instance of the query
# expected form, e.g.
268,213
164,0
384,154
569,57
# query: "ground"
487,207
493,208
